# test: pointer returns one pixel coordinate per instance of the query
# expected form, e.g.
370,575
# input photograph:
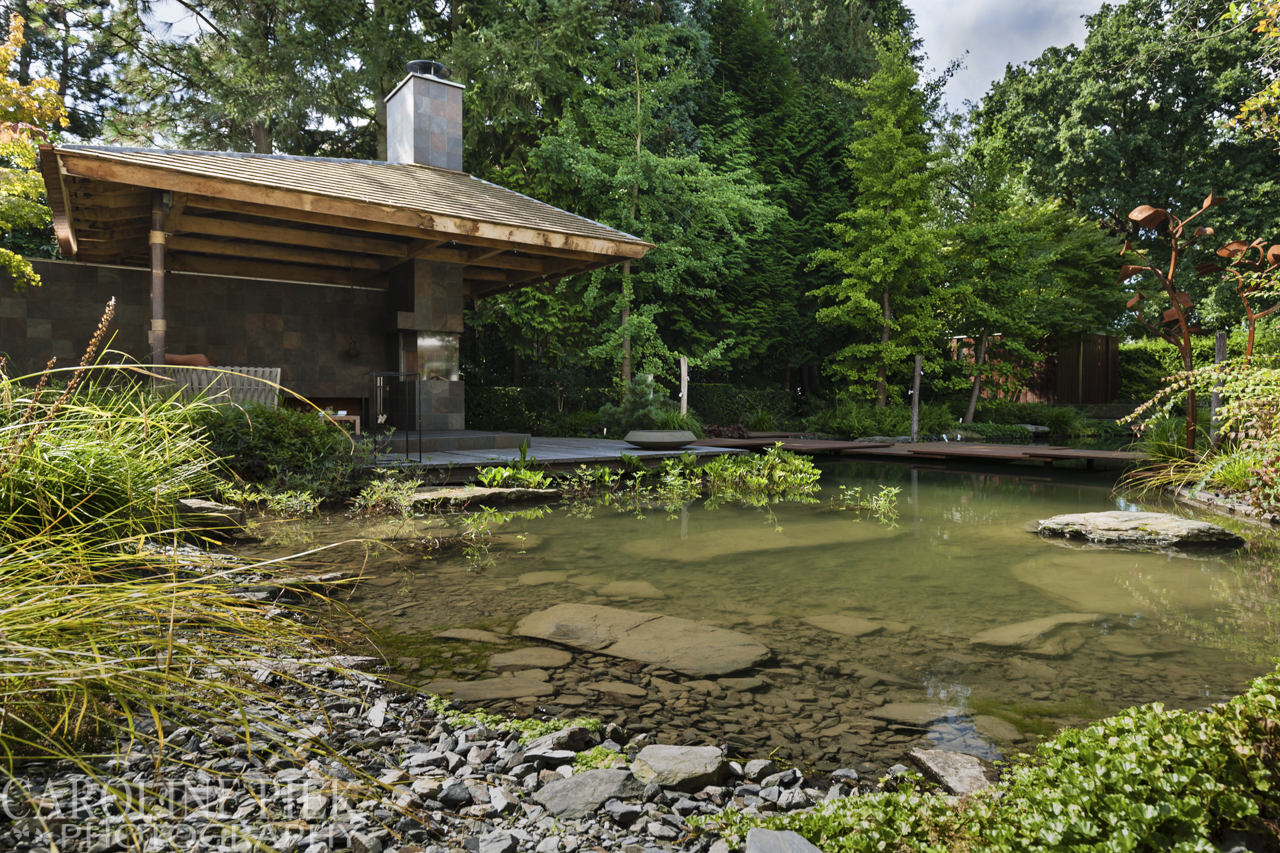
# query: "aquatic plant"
499,476
759,478
388,494
883,504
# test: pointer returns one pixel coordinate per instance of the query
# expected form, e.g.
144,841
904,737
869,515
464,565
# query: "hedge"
725,404
525,409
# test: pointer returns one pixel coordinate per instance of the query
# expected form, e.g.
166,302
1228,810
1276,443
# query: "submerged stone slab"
471,635
1139,529
620,687
842,623
959,773
917,714
631,589
996,729
540,578
677,644
489,689
534,657
1025,635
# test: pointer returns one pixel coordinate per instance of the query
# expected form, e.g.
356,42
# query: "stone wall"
303,329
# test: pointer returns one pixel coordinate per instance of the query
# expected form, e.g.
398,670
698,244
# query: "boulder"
685,768
958,773
576,738
582,793
917,714
677,644
842,623
1032,633
777,841
534,657
489,689
1138,529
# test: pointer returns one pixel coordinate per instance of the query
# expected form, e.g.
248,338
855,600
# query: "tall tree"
890,292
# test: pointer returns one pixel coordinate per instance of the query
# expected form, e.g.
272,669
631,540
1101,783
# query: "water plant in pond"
388,494
498,476
757,479
883,504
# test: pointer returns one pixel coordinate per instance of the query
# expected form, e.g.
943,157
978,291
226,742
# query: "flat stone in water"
615,687
1026,634
850,626
471,635
1147,529
631,589
540,578
997,729
741,685
488,689
677,644
534,657
916,714
1130,647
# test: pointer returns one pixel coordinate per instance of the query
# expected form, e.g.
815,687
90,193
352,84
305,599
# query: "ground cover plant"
1146,779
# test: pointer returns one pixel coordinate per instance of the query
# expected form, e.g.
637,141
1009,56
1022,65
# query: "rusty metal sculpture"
1174,325
1255,276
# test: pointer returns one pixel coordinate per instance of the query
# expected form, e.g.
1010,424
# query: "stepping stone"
471,635
540,578
631,589
850,626
488,689
958,773
615,687
1139,529
918,714
534,657
677,644
1024,635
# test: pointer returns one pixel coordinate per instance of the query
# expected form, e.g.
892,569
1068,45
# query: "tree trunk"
626,315
517,370
261,138
882,385
977,378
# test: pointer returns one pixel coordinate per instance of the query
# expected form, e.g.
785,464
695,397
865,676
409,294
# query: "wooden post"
684,386
626,314
1215,401
157,241
915,401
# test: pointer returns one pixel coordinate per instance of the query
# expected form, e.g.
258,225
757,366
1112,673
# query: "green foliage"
724,404
760,478
1146,779
672,419
883,504
498,476
643,406
528,730
1007,432
855,418
292,504
598,758
889,260
546,410
282,449
388,494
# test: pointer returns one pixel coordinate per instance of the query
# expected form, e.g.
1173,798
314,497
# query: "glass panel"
438,356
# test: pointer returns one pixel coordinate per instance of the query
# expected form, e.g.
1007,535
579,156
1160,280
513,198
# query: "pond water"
1182,629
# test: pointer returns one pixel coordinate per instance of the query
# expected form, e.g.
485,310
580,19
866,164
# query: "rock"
201,513
741,685
540,578
454,794
759,768
1139,529
1131,647
498,842
1025,635
576,738
534,657
841,623
875,677
365,843
623,814
488,689
677,644
777,841
845,775
583,793
916,714
685,768
631,589
958,773
471,635
997,729
615,687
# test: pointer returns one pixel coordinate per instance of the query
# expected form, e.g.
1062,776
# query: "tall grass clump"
110,623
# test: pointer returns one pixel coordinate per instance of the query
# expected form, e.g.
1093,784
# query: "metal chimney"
424,118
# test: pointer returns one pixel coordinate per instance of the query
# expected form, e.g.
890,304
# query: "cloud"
995,33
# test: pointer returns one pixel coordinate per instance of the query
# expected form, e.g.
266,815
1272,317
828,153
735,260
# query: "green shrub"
283,449
643,406
388,494
761,477
549,410
499,476
856,418
1007,432
724,404
672,419
1146,779
572,425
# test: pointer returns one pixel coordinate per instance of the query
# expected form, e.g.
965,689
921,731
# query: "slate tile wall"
303,329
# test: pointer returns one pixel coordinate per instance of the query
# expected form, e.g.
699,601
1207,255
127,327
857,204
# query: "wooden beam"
98,235
483,274
412,250
81,185
55,184
265,270
130,199
289,236
337,260
110,214
175,211
87,165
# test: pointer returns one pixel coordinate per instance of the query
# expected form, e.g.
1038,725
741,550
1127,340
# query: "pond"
1182,629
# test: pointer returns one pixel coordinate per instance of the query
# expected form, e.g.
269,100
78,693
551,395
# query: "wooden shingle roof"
321,219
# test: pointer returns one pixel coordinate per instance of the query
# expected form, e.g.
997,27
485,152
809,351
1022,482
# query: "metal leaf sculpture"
1174,325
1257,270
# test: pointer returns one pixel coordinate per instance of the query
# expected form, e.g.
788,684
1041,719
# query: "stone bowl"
659,439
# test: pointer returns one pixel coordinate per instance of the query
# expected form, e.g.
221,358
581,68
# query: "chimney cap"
428,68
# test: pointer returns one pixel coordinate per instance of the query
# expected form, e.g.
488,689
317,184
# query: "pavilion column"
157,241
425,298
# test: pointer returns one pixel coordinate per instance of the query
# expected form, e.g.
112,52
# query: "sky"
995,33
